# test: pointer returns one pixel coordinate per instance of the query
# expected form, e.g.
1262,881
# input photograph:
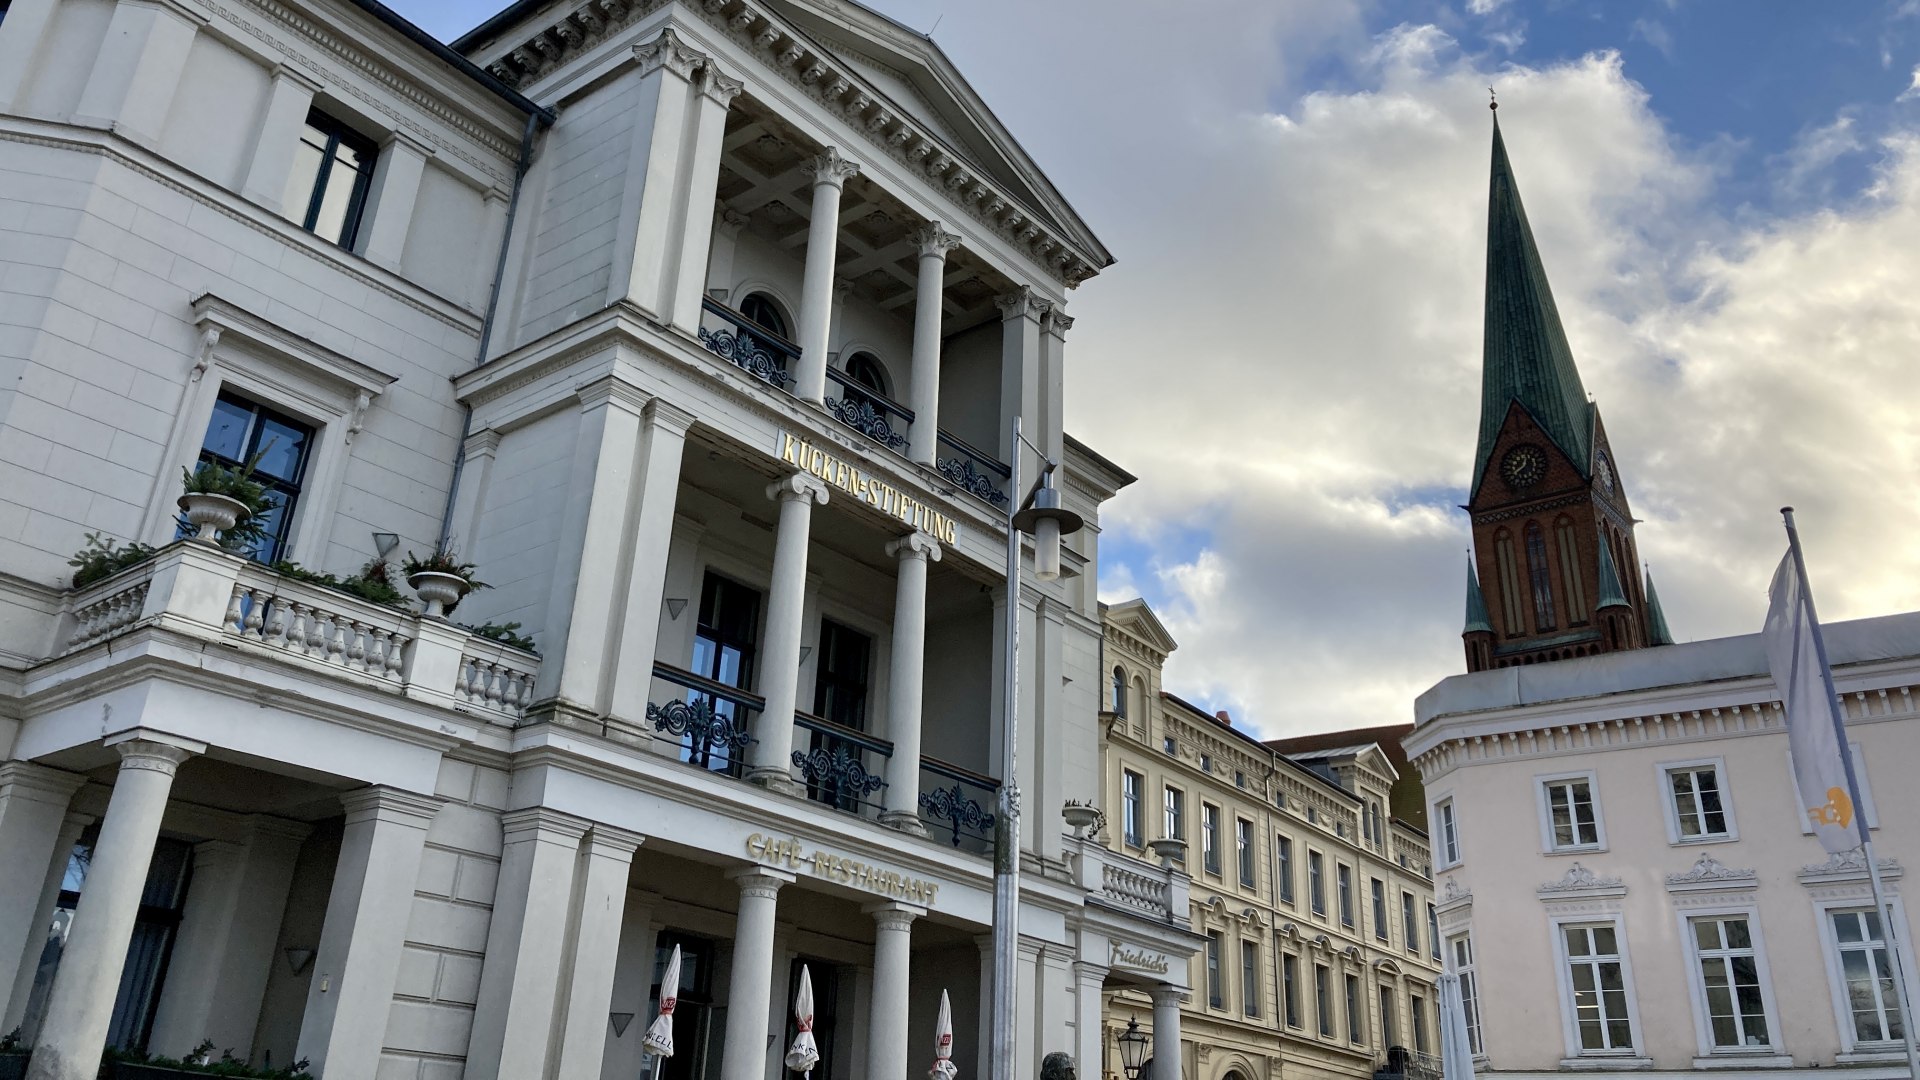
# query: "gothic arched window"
1571,586
1540,577
1510,610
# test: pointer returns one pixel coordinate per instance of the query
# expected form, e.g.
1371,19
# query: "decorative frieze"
1709,873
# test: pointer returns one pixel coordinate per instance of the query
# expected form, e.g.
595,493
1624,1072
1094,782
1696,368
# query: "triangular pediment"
1136,618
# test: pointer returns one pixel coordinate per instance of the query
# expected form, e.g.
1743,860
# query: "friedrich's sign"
877,493
1139,960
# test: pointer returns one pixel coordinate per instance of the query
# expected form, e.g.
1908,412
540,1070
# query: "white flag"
1818,769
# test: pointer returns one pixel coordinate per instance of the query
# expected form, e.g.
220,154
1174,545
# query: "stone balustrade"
1160,892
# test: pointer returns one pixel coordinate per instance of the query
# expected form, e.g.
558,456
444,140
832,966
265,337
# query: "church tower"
1553,574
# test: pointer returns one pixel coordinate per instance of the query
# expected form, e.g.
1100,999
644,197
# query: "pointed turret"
1524,353
1477,620
1657,632
1611,594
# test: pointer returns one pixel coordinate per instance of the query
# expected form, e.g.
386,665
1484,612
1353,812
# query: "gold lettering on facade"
788,853
848,477
1139,960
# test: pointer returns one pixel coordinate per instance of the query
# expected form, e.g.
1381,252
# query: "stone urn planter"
1082,818
438,591
1168,850
213,514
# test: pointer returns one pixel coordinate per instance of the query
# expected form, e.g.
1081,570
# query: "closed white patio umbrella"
943,1068
804,1054
659,1040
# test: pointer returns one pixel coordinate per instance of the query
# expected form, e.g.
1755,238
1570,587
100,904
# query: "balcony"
1137,887
709,725
1404,1064
772,359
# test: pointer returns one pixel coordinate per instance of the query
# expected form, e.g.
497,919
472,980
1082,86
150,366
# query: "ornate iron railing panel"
976,473
841,767
711,720
957,805
871,414
753,349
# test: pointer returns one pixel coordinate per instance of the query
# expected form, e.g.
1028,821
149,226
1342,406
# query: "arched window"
866,369
1571,587
763,311
1119,691
1540,576
1509,568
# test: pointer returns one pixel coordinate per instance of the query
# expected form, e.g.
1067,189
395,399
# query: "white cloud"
1913,88
1483,7
1287,353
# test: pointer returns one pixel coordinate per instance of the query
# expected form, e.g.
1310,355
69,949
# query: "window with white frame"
1462,946
1283,846
1210,837
1597,985
1449,833
1346,895
1866,977
1243,849
1379,895
1728,983
1176,807
1433,932
1570,814
1409,923
1697,805
1131,812
1317,882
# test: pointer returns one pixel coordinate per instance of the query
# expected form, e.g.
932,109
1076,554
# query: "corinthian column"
830,174
913,551
923,385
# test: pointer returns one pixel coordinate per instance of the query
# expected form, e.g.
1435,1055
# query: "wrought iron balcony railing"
841,767
754,349
958,805
710,719
868,412
973,471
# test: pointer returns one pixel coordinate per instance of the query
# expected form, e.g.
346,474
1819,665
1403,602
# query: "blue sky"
1727,199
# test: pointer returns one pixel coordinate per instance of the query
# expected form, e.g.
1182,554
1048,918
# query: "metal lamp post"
1133,1049
1040,515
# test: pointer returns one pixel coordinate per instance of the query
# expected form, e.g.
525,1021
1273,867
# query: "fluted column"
892,963
770,758
1166,1032
913,552
81,1005
830,174
923,385
750,990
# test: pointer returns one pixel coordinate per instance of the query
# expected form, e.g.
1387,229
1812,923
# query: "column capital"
914,545
796,487
284,72
1166,996
540,823
732,221
1056,323
759,881
894,915
719,88
665,414
1021,303
668,51
400,140
611,390
935,241
391,805
1090,974
161,753
829,167
616,843
483,442
40,783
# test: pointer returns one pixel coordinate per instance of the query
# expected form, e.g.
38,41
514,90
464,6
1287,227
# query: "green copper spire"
1477,621
1657,632
1525,356
1611,594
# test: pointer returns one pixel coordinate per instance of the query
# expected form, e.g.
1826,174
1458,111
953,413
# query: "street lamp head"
1046,521
1133,1049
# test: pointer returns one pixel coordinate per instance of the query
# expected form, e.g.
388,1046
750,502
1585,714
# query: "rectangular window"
840,682
242,431
1316,883
1861,948
1469,989
1323,1000
1572,814
1410,924
1130,810
1417,1018
1356,1020
1449,832
332,173
1433,932
1206,763
1596,973
1379,909
1346,895
1285,847
1176,823
723,651
1243,847
1250,978
1698,803
1170,746
1290,988
1216,993
1729,973
1388,1036
1210,837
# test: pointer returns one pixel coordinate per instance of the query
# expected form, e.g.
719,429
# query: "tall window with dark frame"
1250,978
238,431
1379,896
1322,1000
1243,849
825,977
1345,880
1410,922
840,697
1210,837
693,1017
1119,691
332,174
1290,988
1216,992
1540,577
1284,848
1131,811
1356,1019
723,651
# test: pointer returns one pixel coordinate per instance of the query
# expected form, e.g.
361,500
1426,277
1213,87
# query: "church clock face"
1523,467
1603,472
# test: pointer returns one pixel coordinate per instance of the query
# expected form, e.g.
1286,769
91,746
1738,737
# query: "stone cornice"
794,56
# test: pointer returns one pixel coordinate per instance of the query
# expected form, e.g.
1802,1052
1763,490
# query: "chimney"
1224,717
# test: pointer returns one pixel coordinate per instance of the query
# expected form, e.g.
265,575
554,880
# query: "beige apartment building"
1314,902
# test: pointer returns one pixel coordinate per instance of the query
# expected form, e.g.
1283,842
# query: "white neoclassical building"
699,326
1625,879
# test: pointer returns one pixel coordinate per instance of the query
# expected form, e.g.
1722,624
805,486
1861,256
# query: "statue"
1058,1066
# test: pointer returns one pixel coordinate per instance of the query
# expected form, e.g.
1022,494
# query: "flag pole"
1894,959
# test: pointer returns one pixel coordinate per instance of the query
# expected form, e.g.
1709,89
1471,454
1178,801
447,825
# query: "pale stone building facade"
698,325
1626,880
1312,906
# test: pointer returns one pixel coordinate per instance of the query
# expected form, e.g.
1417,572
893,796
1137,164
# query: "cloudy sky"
1727,197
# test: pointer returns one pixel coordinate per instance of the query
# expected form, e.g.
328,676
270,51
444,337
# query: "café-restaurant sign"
791,854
